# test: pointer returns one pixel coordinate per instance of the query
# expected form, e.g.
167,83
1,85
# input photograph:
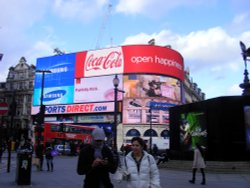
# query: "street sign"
160,105
4,108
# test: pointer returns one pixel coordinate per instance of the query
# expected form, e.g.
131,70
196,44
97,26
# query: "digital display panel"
192,130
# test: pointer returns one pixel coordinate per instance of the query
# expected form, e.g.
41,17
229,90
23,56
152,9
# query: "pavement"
64,175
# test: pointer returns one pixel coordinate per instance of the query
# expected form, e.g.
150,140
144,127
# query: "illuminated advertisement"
86,77
149,91
192,130
77,108
96,89
128,60
247,125
59,84
152,86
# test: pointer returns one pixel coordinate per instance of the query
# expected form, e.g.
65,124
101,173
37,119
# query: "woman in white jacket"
199,163
141,167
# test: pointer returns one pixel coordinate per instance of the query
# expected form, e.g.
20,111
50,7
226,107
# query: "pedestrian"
141,166
96,161
163,157
2,149
155,150
49,158
198,163
39,151
127,149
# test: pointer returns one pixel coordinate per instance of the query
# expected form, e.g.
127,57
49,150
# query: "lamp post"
116,82
41,113
12,113
150,136
246,84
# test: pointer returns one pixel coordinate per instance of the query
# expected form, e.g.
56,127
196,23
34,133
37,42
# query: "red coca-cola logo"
112,60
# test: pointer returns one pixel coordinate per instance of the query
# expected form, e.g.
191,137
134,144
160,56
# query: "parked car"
63,149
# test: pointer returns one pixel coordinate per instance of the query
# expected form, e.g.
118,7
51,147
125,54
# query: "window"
150,132
133,133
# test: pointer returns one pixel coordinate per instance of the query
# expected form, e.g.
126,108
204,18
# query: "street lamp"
42,109
116,82
245,85
150,136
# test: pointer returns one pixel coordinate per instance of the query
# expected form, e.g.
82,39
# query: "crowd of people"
138,164
138,167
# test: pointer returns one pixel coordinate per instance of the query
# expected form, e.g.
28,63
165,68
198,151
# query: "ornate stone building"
17,91
192,92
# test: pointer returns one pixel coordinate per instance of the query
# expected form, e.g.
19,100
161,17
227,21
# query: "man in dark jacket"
96,161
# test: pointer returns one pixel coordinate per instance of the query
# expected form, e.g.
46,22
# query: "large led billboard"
193,130
59,84
87,77
96,89
141,90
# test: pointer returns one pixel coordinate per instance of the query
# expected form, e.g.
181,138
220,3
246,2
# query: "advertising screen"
247,125
152,86
141,90
96,89
87,76
192,130
59,84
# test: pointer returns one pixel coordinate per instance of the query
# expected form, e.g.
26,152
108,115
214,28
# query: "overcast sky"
206,33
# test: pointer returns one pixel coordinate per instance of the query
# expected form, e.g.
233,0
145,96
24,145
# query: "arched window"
133,133
152,131
165,134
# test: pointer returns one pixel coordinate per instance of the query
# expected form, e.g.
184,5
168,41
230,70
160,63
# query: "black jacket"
93,176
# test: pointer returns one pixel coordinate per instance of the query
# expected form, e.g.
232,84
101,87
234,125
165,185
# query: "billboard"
142,91
96,89
59,84
86,77
128,60
193,130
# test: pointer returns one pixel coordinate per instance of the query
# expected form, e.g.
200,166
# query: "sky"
205,33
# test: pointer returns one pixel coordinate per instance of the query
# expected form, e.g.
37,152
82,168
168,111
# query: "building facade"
17,92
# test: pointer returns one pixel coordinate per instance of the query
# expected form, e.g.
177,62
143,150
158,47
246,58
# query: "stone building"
17,91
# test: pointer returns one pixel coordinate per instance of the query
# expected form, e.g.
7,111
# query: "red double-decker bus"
58,133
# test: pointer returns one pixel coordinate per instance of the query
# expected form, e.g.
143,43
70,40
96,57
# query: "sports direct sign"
77,108
130,59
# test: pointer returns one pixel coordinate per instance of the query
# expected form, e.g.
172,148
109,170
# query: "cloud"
212,55
78,9
234,90
153,8
212,49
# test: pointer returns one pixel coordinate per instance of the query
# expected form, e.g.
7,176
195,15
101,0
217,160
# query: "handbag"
36,161
54,153
121,174
118,175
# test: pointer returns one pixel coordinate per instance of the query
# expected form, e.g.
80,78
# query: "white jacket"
148,174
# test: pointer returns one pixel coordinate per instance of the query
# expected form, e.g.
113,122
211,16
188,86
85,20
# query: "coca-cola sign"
104,62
